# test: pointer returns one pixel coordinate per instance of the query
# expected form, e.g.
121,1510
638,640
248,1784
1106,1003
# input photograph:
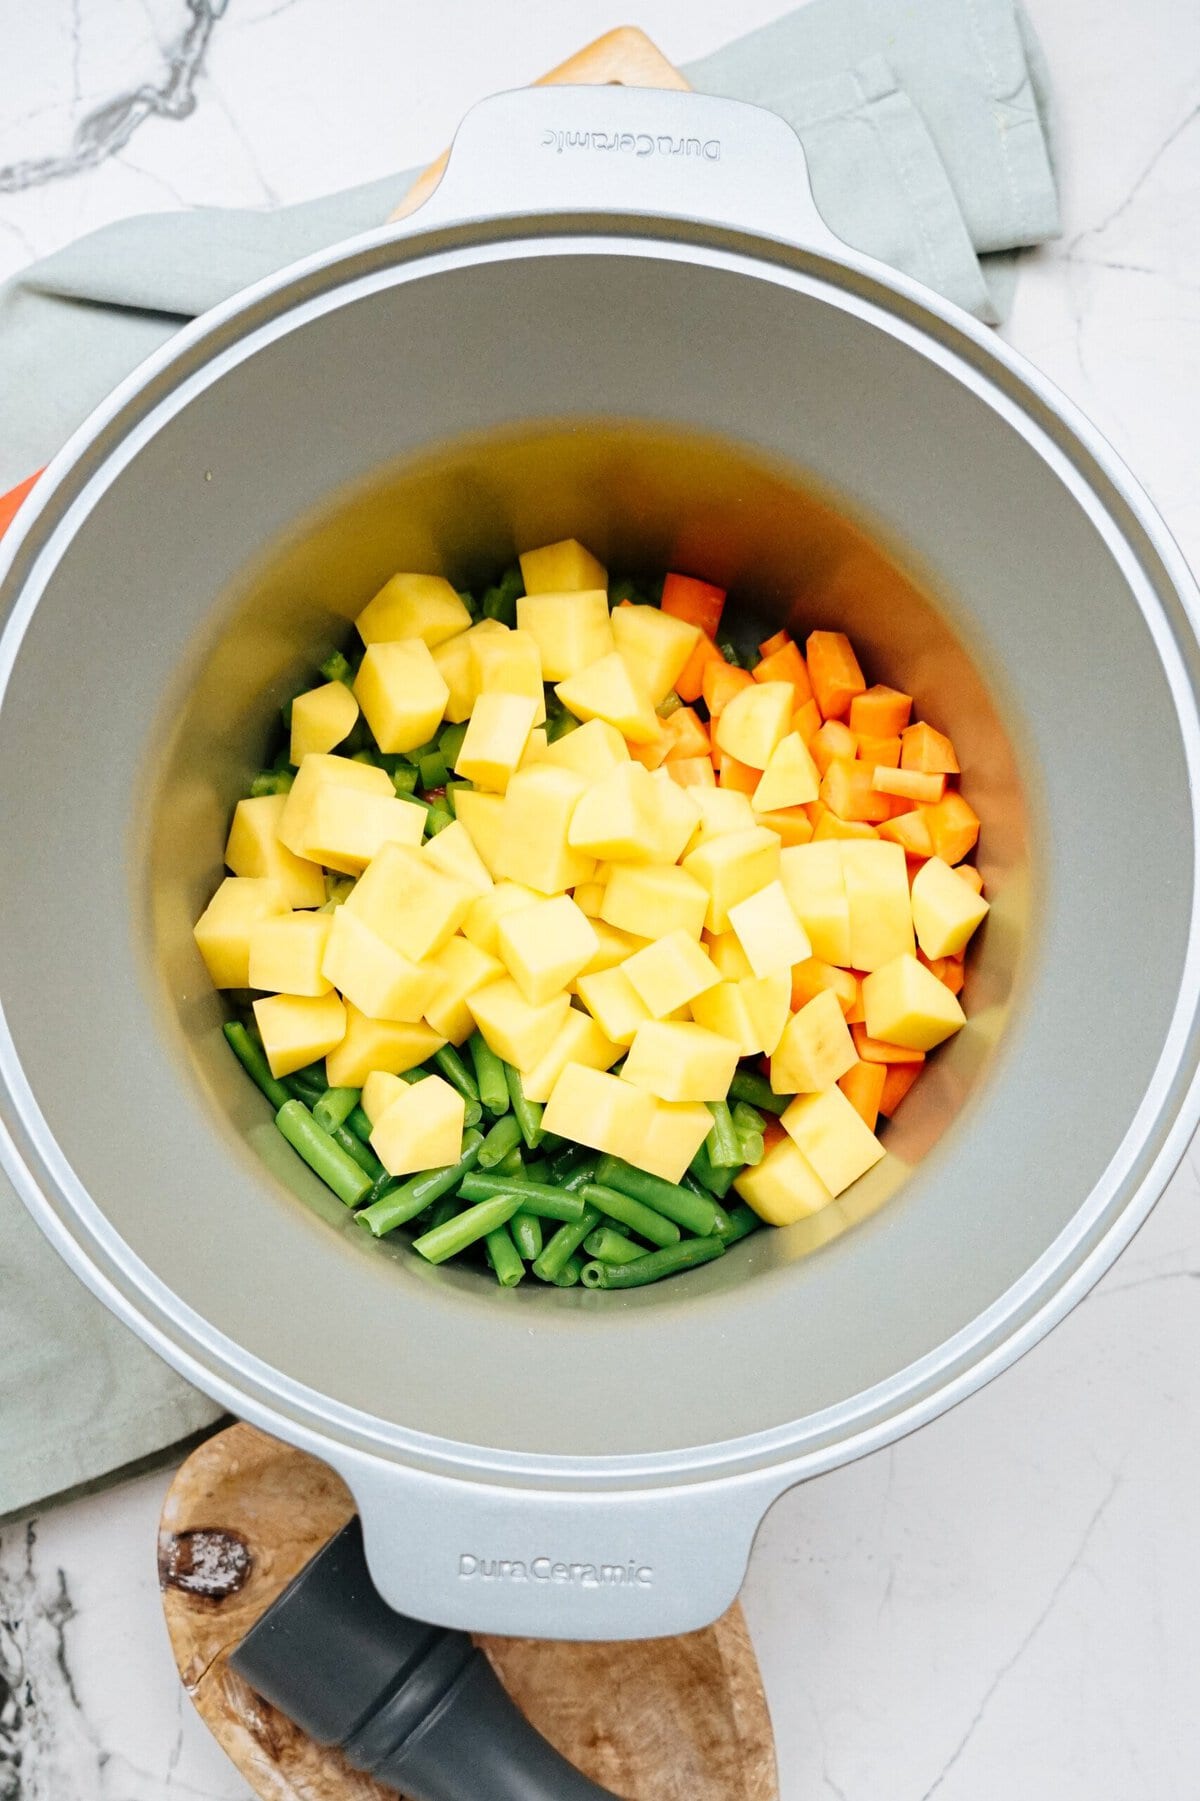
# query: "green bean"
694,1213
402,1203
610,1247
489,1074
504,1137
583,1172
753,1147
447,1240
359,1124
529,1113
322,1154
534,1197
688,1180
569,1274
550,1144
504,1257
456,1072
559,727
748,1123
433,770
564,1161
446,1208
526,1229
362,1153
742,1221
747,1086
335,1107
271,781
450,742
652,1268
512,1163
336,668
566,1241
642,1219
436,820
670,704
404,781
414,1075
717,1181
253,1060
724,1151
730,652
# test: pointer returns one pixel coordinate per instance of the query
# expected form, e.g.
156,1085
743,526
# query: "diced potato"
728,955
482,817
570,629
784,1187
347,827
380,980
495,740
680,1061
876,877
316,772
320,719
612,945
461,968
297,1029
677,1131
732,866
413,606
589,897
655,647
723,1010
389,1044
755,721
286,953
422,1129
456,667
677,815
812,877
768,999
545,946
484,915
670,972
224,929
536,748
515,1029
509,663
905,1004
790,778
606,690
721,810
565,567
401,693
945,909
614,1003
410,904
591,1107
816,1048
579,1041
617,817
657,895
379,1091
589,750
833,1137
537,815
768,930
254,848
452,850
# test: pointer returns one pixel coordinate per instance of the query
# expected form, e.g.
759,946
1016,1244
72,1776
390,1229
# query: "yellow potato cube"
545,946
833,1137
657,896
401,693
496,738
379,1091
410,904
452,851
612,946
768,930
413,606
380,980
769,1002
461,967
286,953
580,1040
320,719
589,897
670,972
561,568
347,827
224,929
571,630
607,690
589,750
680,1061
515,1028
812,878
534,849
614,1003
536,748
594,1108
509,663
732,866
784,1187
945,909
315,773
726,952
456,667
617,817
815,1049
677,1131
876,877
422,1129
755,721
297,1029
723,1010
655,647
790,779
481,816
720,810
677,814
255,849
388,1044
906,1004
484,915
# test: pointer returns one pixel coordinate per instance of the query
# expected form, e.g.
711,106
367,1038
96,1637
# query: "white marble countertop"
1007,1603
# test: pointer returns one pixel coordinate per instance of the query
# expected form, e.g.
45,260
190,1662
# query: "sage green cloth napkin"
924,123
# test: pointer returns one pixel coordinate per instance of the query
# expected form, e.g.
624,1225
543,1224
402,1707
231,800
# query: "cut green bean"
404,780
531,1197
446,1208
359,1124
748,1123
451,1065
362,1153
689,1181
404,1202
639,1218
724,1151
324,1156
504,1257
336,668
695,1213
489,1075
433,770
526,1229
335,1107
688,1254
529,1113
450,742
253,1060
583,1172
504,1137
512,1163
569,1274
271,781
753,1147
562,1247
742,1221
610,1247
717,1181
564,1161
747,1086
436,820
559,727
448,1239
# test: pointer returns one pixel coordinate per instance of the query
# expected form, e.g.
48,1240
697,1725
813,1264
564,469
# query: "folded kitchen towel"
924,123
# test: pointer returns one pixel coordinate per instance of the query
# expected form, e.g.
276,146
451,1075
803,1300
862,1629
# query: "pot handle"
629,150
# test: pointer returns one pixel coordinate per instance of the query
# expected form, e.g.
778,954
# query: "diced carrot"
857,1015
773,1132
691,772
923,748
834,672
953,826
689,684
807,721
910,784
786,665
775,642
862,1086
833,740
873,1050
830,826
952,975
732,774
687,736
700,603
847,790
654,754
896,1084
792,823
721,682
970,874
911,830
881,712
880,752
10,502
812,976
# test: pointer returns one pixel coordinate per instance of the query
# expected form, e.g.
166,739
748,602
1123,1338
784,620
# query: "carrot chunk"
848,791
953,827
700,603
833,740
862,1086
828,825
721,682
910,784
812,976
873,1050
732,774
897,1081
786,665
775,642
834,672
927,750
807,721
881,712
911,830
691,772
792,823
879,752
969,873
689,684
687,736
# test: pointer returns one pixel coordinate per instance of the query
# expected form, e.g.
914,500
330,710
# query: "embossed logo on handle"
632,143
543,1569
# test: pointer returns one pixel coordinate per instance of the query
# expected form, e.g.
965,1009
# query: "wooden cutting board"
679,1719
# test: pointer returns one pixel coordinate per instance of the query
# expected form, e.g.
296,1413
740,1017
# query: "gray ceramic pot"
669,356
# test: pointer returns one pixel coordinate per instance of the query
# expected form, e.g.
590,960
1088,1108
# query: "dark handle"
415,1706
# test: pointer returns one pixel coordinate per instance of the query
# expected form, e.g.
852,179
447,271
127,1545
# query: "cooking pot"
665,353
